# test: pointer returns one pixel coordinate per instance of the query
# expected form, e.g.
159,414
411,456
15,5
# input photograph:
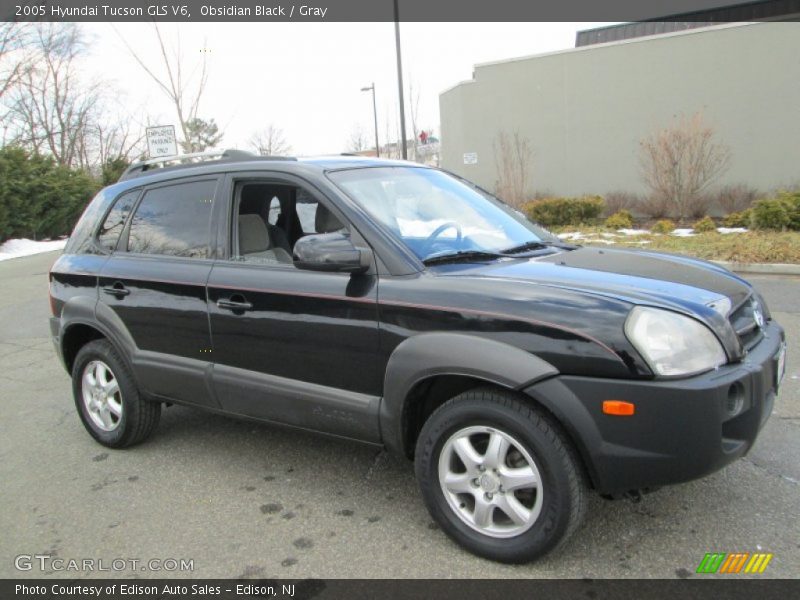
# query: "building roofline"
460,83
638,40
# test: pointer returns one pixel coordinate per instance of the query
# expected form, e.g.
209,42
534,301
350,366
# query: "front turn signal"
618,408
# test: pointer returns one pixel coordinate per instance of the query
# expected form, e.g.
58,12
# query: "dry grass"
750,247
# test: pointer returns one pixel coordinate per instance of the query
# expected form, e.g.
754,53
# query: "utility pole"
375,115
400,80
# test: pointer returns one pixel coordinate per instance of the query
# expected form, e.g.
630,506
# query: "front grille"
744,323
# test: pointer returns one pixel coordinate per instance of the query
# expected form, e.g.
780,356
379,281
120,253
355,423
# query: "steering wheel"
426,245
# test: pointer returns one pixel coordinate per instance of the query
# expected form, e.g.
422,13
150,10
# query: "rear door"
293,346
153,288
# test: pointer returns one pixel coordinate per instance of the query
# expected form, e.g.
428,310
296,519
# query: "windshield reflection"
434,213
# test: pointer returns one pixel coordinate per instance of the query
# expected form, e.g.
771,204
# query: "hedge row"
781,213
39,198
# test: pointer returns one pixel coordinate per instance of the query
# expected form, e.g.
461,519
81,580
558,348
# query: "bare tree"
736,198
270,141
52,110
358,140
185,90
513,161
112,143
13,58
679,162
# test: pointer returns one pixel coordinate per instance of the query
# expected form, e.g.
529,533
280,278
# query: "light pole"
400,80
371,88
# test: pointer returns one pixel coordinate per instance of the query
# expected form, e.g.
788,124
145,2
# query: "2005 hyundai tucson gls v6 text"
399,305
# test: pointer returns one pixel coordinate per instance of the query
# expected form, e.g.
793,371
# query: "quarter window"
109,233
174,220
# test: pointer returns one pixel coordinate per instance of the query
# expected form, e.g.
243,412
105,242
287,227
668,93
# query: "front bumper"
682,429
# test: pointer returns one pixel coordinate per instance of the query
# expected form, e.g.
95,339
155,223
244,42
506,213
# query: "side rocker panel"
430,354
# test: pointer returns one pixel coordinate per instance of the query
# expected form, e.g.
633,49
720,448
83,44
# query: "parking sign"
161,141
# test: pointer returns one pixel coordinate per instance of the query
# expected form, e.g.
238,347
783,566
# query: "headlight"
673,344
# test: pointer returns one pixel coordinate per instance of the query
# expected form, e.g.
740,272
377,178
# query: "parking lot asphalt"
247,500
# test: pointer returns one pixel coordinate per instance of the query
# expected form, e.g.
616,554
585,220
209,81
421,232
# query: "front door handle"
235,304
117,290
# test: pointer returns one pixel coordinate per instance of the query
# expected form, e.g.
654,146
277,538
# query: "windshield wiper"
462,256
536,245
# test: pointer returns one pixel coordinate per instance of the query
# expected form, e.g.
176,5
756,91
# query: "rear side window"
108,235
174,220
81,239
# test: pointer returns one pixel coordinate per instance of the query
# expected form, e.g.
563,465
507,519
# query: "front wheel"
499,476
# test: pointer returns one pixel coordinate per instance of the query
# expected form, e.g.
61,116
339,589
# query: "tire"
552,491
113,412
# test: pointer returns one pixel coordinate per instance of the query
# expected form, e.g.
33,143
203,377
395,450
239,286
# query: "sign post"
161,141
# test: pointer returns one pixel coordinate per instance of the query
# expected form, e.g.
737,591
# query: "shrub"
655,206
735,198
738,219
620,220
663,226
112,170
770,214
680,161
700,206
791,201
705,225
38,197
617,201
554,212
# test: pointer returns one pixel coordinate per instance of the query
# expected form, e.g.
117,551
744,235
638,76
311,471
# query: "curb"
761,268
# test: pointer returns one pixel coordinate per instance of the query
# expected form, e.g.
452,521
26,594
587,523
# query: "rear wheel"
108,402
499,476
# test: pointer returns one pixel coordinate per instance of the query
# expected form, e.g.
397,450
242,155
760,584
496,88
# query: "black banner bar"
730,588
712,11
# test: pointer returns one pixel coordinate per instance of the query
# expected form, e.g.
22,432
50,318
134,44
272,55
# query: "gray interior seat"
278,238
255,242
256,199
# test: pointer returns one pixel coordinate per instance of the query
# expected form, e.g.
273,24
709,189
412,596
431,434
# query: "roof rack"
140,168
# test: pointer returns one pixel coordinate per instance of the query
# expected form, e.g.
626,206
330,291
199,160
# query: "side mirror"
331,252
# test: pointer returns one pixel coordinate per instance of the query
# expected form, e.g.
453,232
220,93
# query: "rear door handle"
117,290
235,305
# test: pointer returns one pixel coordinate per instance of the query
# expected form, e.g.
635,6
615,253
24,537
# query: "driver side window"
270,217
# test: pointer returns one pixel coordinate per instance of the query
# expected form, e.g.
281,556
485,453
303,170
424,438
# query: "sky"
305,78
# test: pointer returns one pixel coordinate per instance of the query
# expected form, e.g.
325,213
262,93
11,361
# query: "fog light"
735,401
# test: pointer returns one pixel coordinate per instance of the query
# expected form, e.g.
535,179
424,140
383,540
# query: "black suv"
399,305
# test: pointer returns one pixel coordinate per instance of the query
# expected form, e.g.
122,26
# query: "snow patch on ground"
23,247
683,232
607,238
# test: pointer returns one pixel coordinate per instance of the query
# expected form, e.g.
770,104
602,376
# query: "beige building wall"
584,110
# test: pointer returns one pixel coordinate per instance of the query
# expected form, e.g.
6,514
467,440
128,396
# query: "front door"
292,346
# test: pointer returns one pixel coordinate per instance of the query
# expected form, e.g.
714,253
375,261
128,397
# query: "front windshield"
434,213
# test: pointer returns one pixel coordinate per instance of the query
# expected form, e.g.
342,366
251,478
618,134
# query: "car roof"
343,161
154,170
